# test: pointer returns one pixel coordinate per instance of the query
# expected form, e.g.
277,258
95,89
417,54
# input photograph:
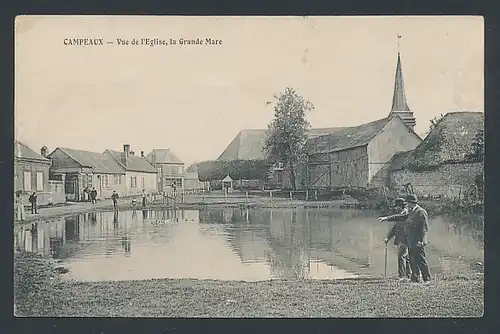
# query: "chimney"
126,150
125,154
142,154
43,151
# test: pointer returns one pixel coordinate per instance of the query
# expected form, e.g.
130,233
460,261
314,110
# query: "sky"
194,99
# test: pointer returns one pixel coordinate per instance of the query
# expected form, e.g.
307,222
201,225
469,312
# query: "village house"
139,172
79,169
31,174
340,157
446,164
170,169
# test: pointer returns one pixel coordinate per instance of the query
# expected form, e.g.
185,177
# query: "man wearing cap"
398,231
416,228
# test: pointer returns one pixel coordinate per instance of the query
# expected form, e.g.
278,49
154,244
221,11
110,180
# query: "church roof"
249,144
399,102
346,138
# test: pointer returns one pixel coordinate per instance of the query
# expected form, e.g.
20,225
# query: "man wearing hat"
416,228
398,231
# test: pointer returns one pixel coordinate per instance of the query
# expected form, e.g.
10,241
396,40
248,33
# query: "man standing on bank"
32,200
398,232
115,197
416,229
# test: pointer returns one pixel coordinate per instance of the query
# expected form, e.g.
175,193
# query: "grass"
40,292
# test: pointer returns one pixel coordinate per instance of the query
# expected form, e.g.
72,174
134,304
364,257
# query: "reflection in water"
239,244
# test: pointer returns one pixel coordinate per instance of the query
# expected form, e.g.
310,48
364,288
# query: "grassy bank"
41,292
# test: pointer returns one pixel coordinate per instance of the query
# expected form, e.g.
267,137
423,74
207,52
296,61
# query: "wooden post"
316,194
291,196
307,195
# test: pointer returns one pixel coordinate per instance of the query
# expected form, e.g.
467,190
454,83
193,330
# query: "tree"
192,168
433,122
287,132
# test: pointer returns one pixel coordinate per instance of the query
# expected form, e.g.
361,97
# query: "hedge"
236,169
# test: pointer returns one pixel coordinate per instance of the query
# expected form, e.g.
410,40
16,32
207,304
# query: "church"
343,157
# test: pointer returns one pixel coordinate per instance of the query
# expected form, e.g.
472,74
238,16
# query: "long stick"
385,265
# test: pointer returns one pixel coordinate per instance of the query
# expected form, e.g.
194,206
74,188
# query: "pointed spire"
399,98
399,103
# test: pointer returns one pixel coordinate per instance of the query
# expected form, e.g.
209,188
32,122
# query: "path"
79,207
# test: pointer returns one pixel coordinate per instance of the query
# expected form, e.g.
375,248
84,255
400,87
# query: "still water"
240,244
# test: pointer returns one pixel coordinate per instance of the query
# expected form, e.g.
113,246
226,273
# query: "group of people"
409,233
91,195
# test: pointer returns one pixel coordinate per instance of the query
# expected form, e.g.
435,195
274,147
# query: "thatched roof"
449,142
398,160
249,144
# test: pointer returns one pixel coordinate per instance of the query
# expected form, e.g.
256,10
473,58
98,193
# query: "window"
133,182
142,183
27,181
39,181
89,176
117,179
106,181
280,177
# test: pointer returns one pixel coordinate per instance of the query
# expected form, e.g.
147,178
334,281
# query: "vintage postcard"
249,166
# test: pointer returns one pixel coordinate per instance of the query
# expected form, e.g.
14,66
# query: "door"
99,186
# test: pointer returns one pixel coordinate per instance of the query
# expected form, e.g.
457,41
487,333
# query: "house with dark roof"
139,172
170,168
80,169
31,173
445,164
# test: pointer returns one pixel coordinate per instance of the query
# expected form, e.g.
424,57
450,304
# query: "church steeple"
399,103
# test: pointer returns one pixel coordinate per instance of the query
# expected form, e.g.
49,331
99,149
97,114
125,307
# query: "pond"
241,244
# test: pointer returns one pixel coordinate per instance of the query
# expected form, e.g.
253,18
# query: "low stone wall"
452,181
56,189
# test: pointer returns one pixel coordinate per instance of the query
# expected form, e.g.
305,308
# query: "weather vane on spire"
399,36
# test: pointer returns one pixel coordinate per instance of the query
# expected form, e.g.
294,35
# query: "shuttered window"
27,181
39,181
